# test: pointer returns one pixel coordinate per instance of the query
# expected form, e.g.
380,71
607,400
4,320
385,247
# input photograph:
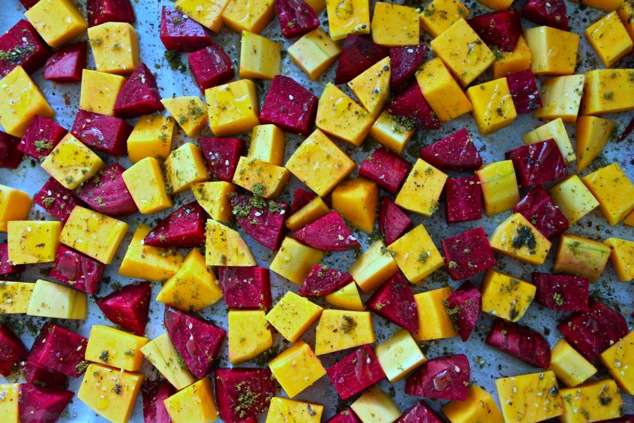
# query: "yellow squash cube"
529,398
496,4
71,163
356,201
608,91
479,406
9,398
261,178
147,186
573,198
556,130
57,21
151,137
319,163
163,355
441,14
115,348
416,255
607,5
442,92
513,61
225,247
338,115
581,256
569,366
14,205
619,360
99,91
215,198
614,191
516,237
374,267
189,112
32,241
205,12
553,51
346,298
296,368
194,404
308,214
506,297
193,287
283,410
232,108
629,219
109,392
348,17
372,87
314,53
260,58
422,188
342,329
399,355
463,51
622,258
15,297
184,167
115,47
591,402
561,98
267,144
593,134
317,5
626,13
390,132
375,406
609,38
144,262
394,25
294,260
292,315
249,335
433,320
493,106
56,301
250,16
499,187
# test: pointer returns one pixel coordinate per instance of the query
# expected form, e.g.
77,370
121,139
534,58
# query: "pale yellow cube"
264,179
496,4
283,410
184,167
422,188
376,406
399,355
9,398
433,320
613,189
232,107
339,330
373,267
556,130
33,241
569,365
205,12
499,186
581,256
225,247
249,335
115,47
151,137
293,315
294,260
189,112
561,98
553,51
493,106
390,132
152,263
15,297
115,348
348,17
346,298
372,86
250,16
215,198
609,38
260,58
71,163
608,91
296,368
163,355
99,91
267,144
147,187
57,21
314,53
394,25
57,301
416,255
14,205
194,404
573,198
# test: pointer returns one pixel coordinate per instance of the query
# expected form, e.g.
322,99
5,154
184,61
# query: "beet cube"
346,416
43,376
464,306
524,91
59,349
77,270
104,133
102,11
211,66
443,378
107,193
10,155
300,199
420,413
537,163
395,302
405,61
393,222
180,33
464,199
500,29
323,280
540,209
562,292
262,219
356,372
296,17
42,405
41,137
594,331
243,393
28,3
289,105
22,46
245,287
183,228
547,12
12,350
457,151
328,233
412,110
520,342
6,267
154,393
139,95
222,156
56,199
66,64
358,54
468,254
197,341
128,307
386,168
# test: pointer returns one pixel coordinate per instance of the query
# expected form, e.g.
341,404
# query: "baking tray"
486,363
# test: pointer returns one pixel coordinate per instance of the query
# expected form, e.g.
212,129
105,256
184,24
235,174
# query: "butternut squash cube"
9,398
215,198
99,91
194,404
339,330
267,144
614,191
479,406
115,47
608,91
607,5
22,100
573,198
372,87
390,133
416,255
319,163
163,355
375,406
152,263
296,368
56,301
14,205
581,256
561,98
622,258
463,51
250,16
115,348
15,297
338,115
57,21
513,61
493,107
260,58
556,130
283,410
609,39
506,297
629,219
189,112
626,13
208,13
394,25
346,298
184,167
232,107
294,260
499,187
496,5
308,214
151,137
516,237
619,360
249,335
433,320
348,17
261,178
591,402
225,247
109,392
569,366
441,14
71,163
356,200
32,241
318,5
373,267
529,398
147,186
399,355
422,188
292,315
553,51
314,53
593,134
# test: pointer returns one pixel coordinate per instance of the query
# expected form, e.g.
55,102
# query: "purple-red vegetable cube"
300,199
6,268
41,137
77,270
386,168
323,280
56,199
22,46
328,233
107,193
443,378
296,17
420,413
289,105
464,199
66,64
468,254
234,385
139,95
464,306
10,155
520,342
179,32
12,350
412,110
43,376
222,156
128,307
501,29
211,66
562,292
154,393
547,12
524,91
103,133
102,11
395,302
405,61
345,416
356,372
59,349
42,405
540,209
183,228
393,222
245,287
262,219
537,163
457,151
358,54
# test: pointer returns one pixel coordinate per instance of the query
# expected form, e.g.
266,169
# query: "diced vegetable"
463,307
222,156
540,209
41,137
468,254
67,64
38,375
59,349
393,222
128,307
323,280
358,54
154,393
356,372
395,302
260,218
411,110
405,60
445,378
561,292
399,355
464,199
104,133
499,30
547,12
179,32
457,151
210,67
102,11
107,193
296,368
10,156
293,315
77,270
519,342
375,402
289,105
24,47
529,397
56,199
296,17
245,287
243,393
42,405
12,351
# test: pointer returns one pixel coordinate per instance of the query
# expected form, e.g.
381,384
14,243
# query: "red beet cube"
540,209
356,372
386,168
323,280
468,254
411,107
183,228
128,307
10,155
420,413
358,54
104,133
222,156
139,95
56,199
537,163
520,342
197,341
500,29
12,350
562,292
77,270
296,17
457,151
393,222
328,233
346,416
211,66
300,199
59,349
42,405
28,3
22,46
41,137
154,393
6,267
262,219
289,106
443,378
524,91
243,393
395,302
405,61
464,199
464,306
102,11
547,12
66,64
43,376
179,32
245,287
107,193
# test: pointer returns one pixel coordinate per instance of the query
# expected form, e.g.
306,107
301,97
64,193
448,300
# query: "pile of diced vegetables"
325,178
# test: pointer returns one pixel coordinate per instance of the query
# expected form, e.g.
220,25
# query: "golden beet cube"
506,297
205,12
225,247
348,17
115,47
147,186
151,137
570,367
619,360
261,178
267,144
163,355
622,258
189,112
374,403
14,205
314,53
293,260
99,91
57,21
260,58
591,402
9,398
513,61
608,91
339,330
614,191
249,335
416,254
346,298
394,25
356,201
626,14
71,163
372,86
390,132
573,198
493,107
529,398
184,167
215,198
57,301
232,107
516,237
422,188
283,410
15,297
292,315
250,16
32,241
441,14
308,214
433,320
479,406
296,368
194,404
553,51
399,355
373,267
499,187
581,256
593,134
561,98
609,39
115,348
556,130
